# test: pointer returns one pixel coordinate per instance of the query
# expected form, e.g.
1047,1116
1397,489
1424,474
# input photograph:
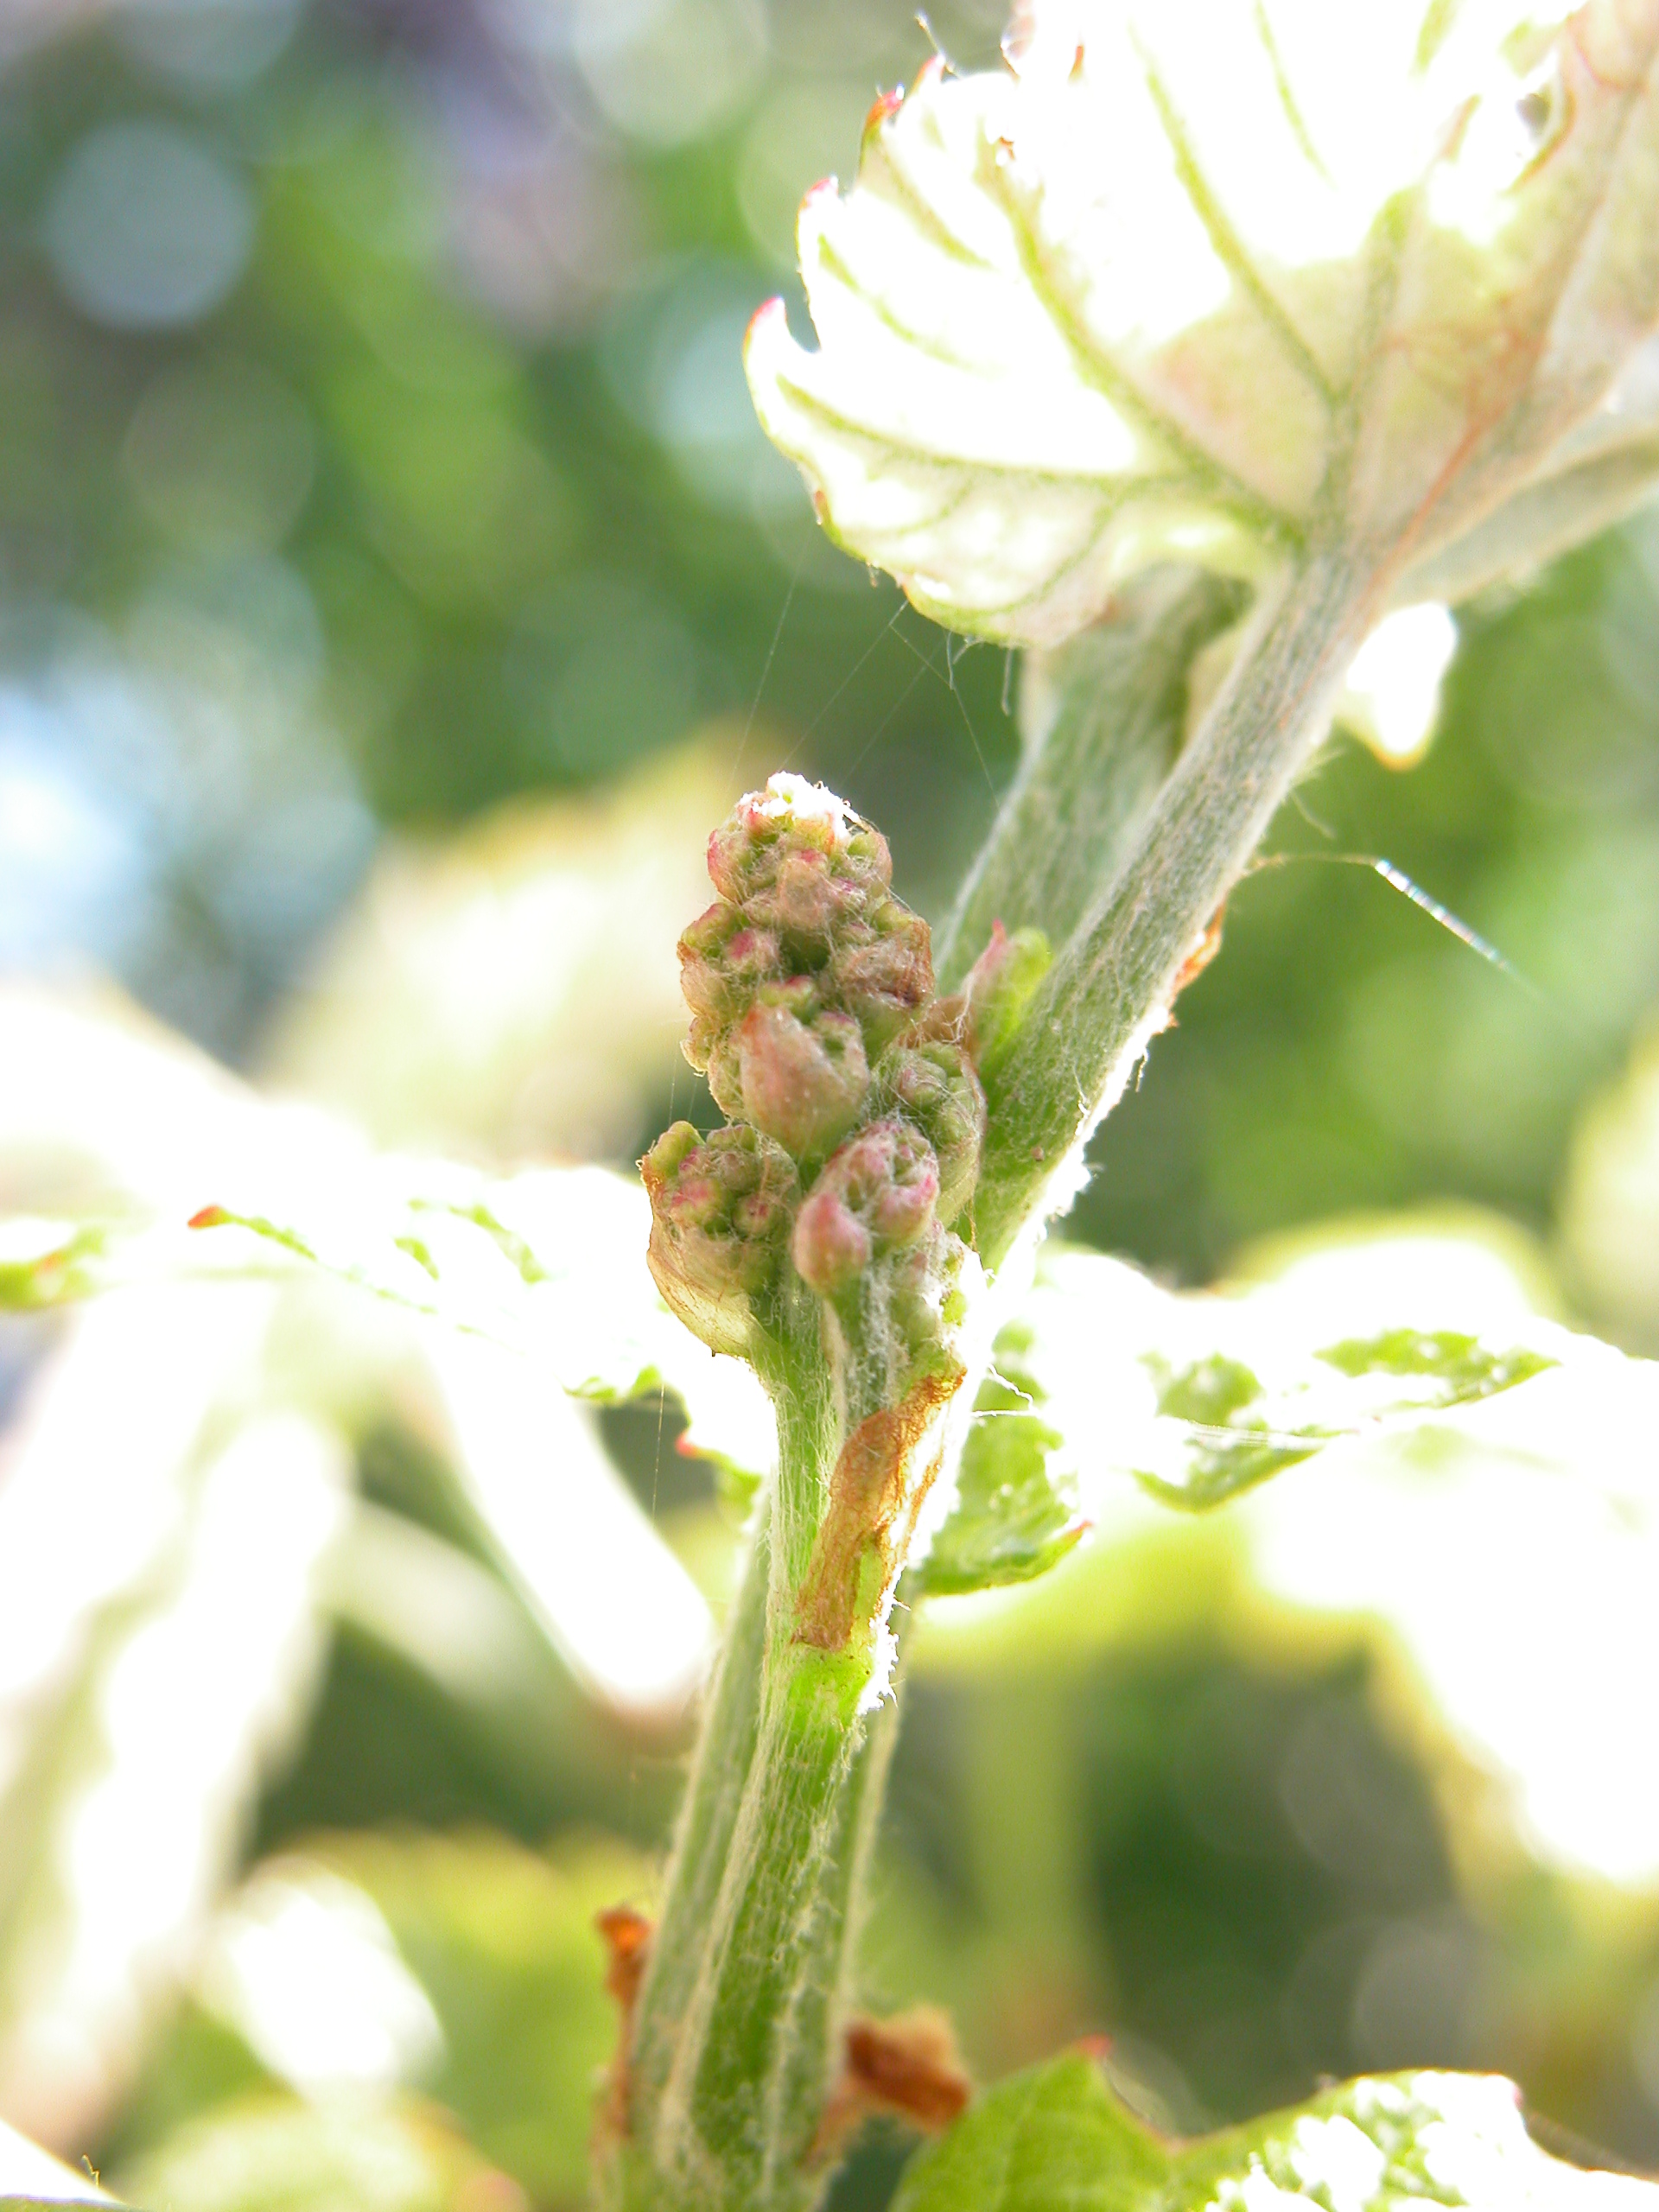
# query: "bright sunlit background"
394,587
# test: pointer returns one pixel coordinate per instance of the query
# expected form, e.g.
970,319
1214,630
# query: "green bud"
882,971
933,1085
769,833
1001,986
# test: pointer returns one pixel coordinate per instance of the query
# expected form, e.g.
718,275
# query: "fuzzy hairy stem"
1103,718
734,2040
1108,990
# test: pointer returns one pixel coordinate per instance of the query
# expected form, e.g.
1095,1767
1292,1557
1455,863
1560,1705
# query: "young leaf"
1211,283
126,1157
1057,2135
1008,1523
1228,1446
186,1455
1430,1537
1210,1394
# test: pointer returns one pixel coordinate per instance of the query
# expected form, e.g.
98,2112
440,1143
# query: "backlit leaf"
1057,2135
1200,280
1429,1534
1009,1524
161,1537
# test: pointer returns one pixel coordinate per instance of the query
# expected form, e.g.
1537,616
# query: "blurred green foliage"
373,449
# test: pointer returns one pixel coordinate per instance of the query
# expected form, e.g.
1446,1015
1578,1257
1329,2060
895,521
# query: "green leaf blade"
1057,2137
1009,1524
1054,2136
1460,1369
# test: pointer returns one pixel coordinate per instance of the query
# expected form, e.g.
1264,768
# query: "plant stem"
1108,990
734,2040
1103,718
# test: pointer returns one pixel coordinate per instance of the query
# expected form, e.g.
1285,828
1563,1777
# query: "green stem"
703,1836
1103,718
734,2043
1097,1006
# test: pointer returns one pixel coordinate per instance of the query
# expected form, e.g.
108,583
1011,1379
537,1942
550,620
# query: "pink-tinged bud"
878,1193
769,833
1001,985
722,964
933,1085
721,1210
807,914
790,815
813,897
803,1082
831,1246
903,1207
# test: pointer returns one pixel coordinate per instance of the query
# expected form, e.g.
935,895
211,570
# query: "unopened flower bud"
883,971
723,962
802,1081
791,816
831,1246
933,1085
1001,985
796,994
878,1193
721,1209
922,1294
807,901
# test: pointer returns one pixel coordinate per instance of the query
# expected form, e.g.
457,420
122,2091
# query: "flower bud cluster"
804,968
813,1014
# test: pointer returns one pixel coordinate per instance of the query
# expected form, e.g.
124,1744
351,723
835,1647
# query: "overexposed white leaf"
126,1156
1211,1393
1201,280
168,1517
27,2172
629,1618
161,1534
1444,1529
